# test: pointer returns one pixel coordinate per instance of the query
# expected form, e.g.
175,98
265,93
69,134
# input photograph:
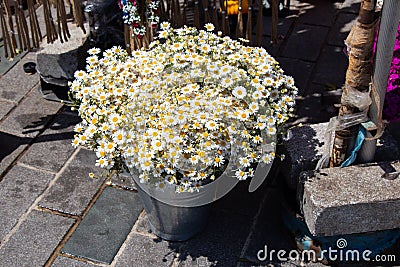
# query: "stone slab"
305,42
60,60
355,199
299,70
35,240
53,147
11,147
18,190
221,243
284,25
68,262
15,84
30,116
105,227
332,66
145,251
5,107
319,12
209,248
5,63
124,181
351,6
74,189
307,146
268,230
341,28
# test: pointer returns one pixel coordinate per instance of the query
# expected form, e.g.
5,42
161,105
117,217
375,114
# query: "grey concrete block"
18,191
341,28
302,151
105,227
305,42
68,262
355,199
5,107
53,147
74,189
144,251
331,66
30,117
60,60
299,70
15,84
35,240
308,144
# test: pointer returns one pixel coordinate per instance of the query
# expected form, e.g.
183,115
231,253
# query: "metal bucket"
171,222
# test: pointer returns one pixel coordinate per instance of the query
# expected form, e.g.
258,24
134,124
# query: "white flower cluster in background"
181,110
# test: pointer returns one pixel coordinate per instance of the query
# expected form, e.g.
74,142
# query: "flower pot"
173,223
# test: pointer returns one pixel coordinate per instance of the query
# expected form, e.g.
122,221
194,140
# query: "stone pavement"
53,214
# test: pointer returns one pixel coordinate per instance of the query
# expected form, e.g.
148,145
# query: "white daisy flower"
241,175
209,27
239,92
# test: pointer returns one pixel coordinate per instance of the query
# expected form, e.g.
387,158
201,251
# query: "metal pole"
390,18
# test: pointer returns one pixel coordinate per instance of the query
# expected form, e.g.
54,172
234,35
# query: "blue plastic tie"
359,140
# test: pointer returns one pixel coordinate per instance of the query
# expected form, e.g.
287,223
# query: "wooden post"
358,60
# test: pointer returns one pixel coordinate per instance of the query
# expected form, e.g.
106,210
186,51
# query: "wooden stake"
206,11
21,41
13,41
215,14
32,22
259,26
239,27
249,23
345,139
4,31
274,34
196,16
